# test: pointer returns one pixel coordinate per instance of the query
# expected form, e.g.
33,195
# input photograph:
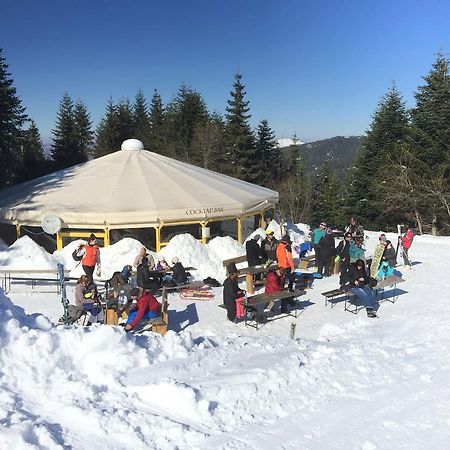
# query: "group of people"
348,259
138,294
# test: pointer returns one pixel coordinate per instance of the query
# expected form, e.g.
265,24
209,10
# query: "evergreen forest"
400,175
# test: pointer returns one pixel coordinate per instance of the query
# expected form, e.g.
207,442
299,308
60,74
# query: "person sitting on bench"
162,263
146,307
145,281
359,283
275,283
87,298
179,275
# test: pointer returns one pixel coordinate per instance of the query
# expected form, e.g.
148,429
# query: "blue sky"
314,68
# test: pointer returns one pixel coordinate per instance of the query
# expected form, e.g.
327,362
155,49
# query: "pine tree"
12,118
431,116
157,120
66,150
184,113
83,129
326,197
268,152
141,120
388,132
240,140
34,162
107,134
125,122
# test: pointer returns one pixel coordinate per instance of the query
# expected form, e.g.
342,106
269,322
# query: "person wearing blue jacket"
316,235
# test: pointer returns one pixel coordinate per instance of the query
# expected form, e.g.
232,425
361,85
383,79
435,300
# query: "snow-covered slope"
345,382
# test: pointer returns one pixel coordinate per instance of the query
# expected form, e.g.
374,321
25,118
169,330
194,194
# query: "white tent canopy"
132,188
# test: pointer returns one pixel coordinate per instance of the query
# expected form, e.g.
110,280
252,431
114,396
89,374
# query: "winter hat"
175,259
269,232
231,268
161,258
134,292
92,236
256,237
382,237
286,238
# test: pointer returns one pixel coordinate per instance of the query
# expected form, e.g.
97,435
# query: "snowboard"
376,260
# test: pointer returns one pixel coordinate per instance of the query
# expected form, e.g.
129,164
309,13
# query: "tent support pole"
17,230
239,229
106,240
59,242
204,238
158,239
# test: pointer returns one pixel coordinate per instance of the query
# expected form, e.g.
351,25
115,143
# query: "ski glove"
99,271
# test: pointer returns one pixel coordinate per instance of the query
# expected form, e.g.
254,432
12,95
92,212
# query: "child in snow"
406,241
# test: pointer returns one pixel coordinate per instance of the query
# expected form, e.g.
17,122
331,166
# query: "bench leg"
249,283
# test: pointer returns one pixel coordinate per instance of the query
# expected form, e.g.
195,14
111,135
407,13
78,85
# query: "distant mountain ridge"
339,151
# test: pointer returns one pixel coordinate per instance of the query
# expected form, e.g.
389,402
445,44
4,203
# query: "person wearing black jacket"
179,274
144,279
253,251
358,281
231,292
326,253
343,251
389,254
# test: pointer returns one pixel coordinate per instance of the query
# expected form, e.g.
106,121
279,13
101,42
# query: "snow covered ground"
344,382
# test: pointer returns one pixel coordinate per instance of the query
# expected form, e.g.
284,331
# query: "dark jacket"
343,251
269,249
143,276
353,275
253,252
327,247
389,256
179,274
231,292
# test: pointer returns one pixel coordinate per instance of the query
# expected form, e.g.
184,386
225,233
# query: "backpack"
75,255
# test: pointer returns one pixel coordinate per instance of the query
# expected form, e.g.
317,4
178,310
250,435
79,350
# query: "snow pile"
26,254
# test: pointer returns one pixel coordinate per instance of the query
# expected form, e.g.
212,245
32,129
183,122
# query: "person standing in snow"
343,252
326,253
406,241
253,251
231,292
316,235
285,262
356,250
90,254
269,247
355,229
146,307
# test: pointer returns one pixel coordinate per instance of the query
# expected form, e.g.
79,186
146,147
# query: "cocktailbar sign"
203,211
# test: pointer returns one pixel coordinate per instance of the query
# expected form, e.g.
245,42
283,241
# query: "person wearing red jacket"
90,254
146,307
275,283
406,242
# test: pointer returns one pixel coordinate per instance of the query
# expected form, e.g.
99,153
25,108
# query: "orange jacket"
91,256
284,256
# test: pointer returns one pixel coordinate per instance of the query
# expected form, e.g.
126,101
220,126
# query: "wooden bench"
262,299
336,293
349,297
235,260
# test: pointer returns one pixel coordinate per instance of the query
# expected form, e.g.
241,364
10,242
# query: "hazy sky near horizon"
317,69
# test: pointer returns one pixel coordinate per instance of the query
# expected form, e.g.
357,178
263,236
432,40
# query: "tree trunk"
433,225
419,221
